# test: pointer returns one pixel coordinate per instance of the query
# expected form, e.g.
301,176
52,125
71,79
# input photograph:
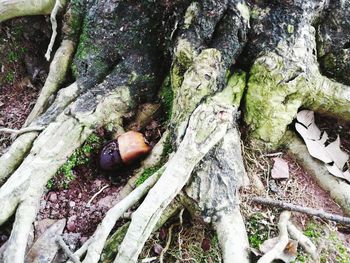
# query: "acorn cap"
109,157
132,146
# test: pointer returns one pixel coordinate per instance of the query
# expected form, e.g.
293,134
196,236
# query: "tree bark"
268,59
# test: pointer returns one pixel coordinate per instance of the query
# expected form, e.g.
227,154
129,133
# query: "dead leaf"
45,248
290,252
157,248
332,155
280,169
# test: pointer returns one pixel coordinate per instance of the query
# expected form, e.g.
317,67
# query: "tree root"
303,240
58,5
57,73
302,209
23,130
196,143
49,152
66,250
283,240
97,241
338,189
15,8
280,249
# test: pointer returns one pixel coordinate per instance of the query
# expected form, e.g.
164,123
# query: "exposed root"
14,8
196,143
58,5
338,189
232,237
49,152
17,243
302,209
96,194
282,240
97,241
21,131
57,73
13,157
66,250
303,240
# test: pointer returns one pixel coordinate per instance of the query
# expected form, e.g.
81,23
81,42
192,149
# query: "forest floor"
71,194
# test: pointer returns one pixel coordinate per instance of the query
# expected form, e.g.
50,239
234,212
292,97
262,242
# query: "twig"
54,12
24,130
303,240
146,260
95,195
282,240
306,210
66,250
273,154
167,243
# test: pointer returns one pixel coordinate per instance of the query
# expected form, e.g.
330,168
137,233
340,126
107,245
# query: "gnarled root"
14,8
49,152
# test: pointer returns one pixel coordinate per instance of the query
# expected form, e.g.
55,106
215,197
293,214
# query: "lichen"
271,103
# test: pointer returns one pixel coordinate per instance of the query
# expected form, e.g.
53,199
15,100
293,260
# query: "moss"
257,231
110,249
10,77
235,86
167,97
80,156
148,172
271,103
334,250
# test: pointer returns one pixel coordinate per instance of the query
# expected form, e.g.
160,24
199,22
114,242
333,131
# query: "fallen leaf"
157,248
206,244
280,169
290,252
332,155
45,248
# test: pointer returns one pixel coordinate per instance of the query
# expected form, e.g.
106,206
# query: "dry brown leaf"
280,169
332,155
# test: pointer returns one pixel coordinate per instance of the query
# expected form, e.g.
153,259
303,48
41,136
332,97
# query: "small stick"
306,210
24,130
56,8
273,154
66,250
95,195
167,243
282,240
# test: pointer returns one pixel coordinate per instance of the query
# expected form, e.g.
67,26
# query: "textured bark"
119,52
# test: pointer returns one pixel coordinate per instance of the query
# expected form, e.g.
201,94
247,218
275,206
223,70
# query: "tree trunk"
267,58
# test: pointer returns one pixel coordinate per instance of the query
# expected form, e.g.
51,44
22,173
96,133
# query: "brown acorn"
125,149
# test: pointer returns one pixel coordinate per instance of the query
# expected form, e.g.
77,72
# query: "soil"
23,69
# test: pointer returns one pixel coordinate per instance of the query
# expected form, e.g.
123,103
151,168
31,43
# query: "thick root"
232,237
57,73
14,8
49,152
97,241
215,191
338,189
197,142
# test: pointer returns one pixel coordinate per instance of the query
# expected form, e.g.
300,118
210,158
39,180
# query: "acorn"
122,151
